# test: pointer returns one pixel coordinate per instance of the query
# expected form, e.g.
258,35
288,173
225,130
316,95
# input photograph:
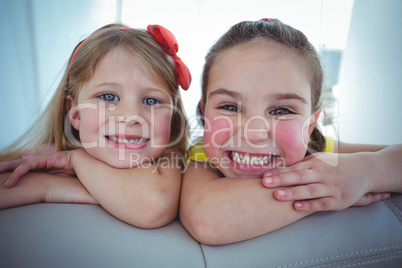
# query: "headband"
267,19
92,35
167,41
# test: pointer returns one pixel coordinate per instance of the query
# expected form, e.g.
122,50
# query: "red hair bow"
169,43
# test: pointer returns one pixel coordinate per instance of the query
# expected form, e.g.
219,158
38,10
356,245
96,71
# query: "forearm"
386,169
30,190
348,148
228,210
139,196
42,187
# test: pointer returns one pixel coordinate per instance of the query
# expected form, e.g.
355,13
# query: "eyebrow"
105,84
276,97
290,96
223,91
117,84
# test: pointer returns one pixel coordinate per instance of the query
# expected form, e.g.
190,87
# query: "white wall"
17,69
37,38
39,35
370,92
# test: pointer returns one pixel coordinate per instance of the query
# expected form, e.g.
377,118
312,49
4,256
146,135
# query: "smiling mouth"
130,141
247,159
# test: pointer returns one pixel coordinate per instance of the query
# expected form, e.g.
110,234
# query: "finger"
383,196
293,168
296,177
314,205
305,164
10,165
371,198
49,161
14,178
305,192
22,169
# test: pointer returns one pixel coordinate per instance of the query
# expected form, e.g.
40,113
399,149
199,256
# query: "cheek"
90,121
293,140
161,128
217,132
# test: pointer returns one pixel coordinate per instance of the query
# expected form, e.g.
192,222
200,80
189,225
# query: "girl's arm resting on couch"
225,210
146,196
37,187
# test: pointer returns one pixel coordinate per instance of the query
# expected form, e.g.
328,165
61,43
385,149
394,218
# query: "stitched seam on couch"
394,249
394,209
363,260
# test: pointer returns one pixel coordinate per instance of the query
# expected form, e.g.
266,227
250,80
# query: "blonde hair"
53,125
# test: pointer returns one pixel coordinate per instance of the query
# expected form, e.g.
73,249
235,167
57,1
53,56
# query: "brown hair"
286,36
53,127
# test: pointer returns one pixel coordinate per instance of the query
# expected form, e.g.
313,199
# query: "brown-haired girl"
261,88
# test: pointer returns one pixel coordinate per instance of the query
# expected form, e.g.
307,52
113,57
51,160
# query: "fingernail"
7,182
268,180
298,205
281,192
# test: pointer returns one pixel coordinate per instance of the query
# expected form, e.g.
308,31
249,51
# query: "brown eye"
281,111
230,107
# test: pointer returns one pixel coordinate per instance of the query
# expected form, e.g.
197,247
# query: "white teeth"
253,160
133,141
246,159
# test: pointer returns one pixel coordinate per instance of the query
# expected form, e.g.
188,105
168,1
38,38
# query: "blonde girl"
116,122
260,165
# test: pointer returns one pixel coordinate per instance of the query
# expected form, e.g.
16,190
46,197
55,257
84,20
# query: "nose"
131,120
256,131
130,114
131,117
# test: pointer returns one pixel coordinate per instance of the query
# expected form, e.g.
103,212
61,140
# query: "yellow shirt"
197,152
329,145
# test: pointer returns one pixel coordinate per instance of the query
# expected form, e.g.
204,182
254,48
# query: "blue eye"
230,108
109,97
151,101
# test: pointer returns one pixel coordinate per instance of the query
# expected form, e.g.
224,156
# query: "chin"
119,163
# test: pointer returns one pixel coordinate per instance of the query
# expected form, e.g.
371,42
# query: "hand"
41,187
10,165
55,163
324,182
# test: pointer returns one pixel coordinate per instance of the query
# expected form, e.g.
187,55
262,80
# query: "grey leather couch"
69,235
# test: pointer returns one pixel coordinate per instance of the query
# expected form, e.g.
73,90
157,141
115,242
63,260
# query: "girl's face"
258,112
122,114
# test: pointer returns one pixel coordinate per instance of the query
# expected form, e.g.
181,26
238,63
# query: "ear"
73,112
313,121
